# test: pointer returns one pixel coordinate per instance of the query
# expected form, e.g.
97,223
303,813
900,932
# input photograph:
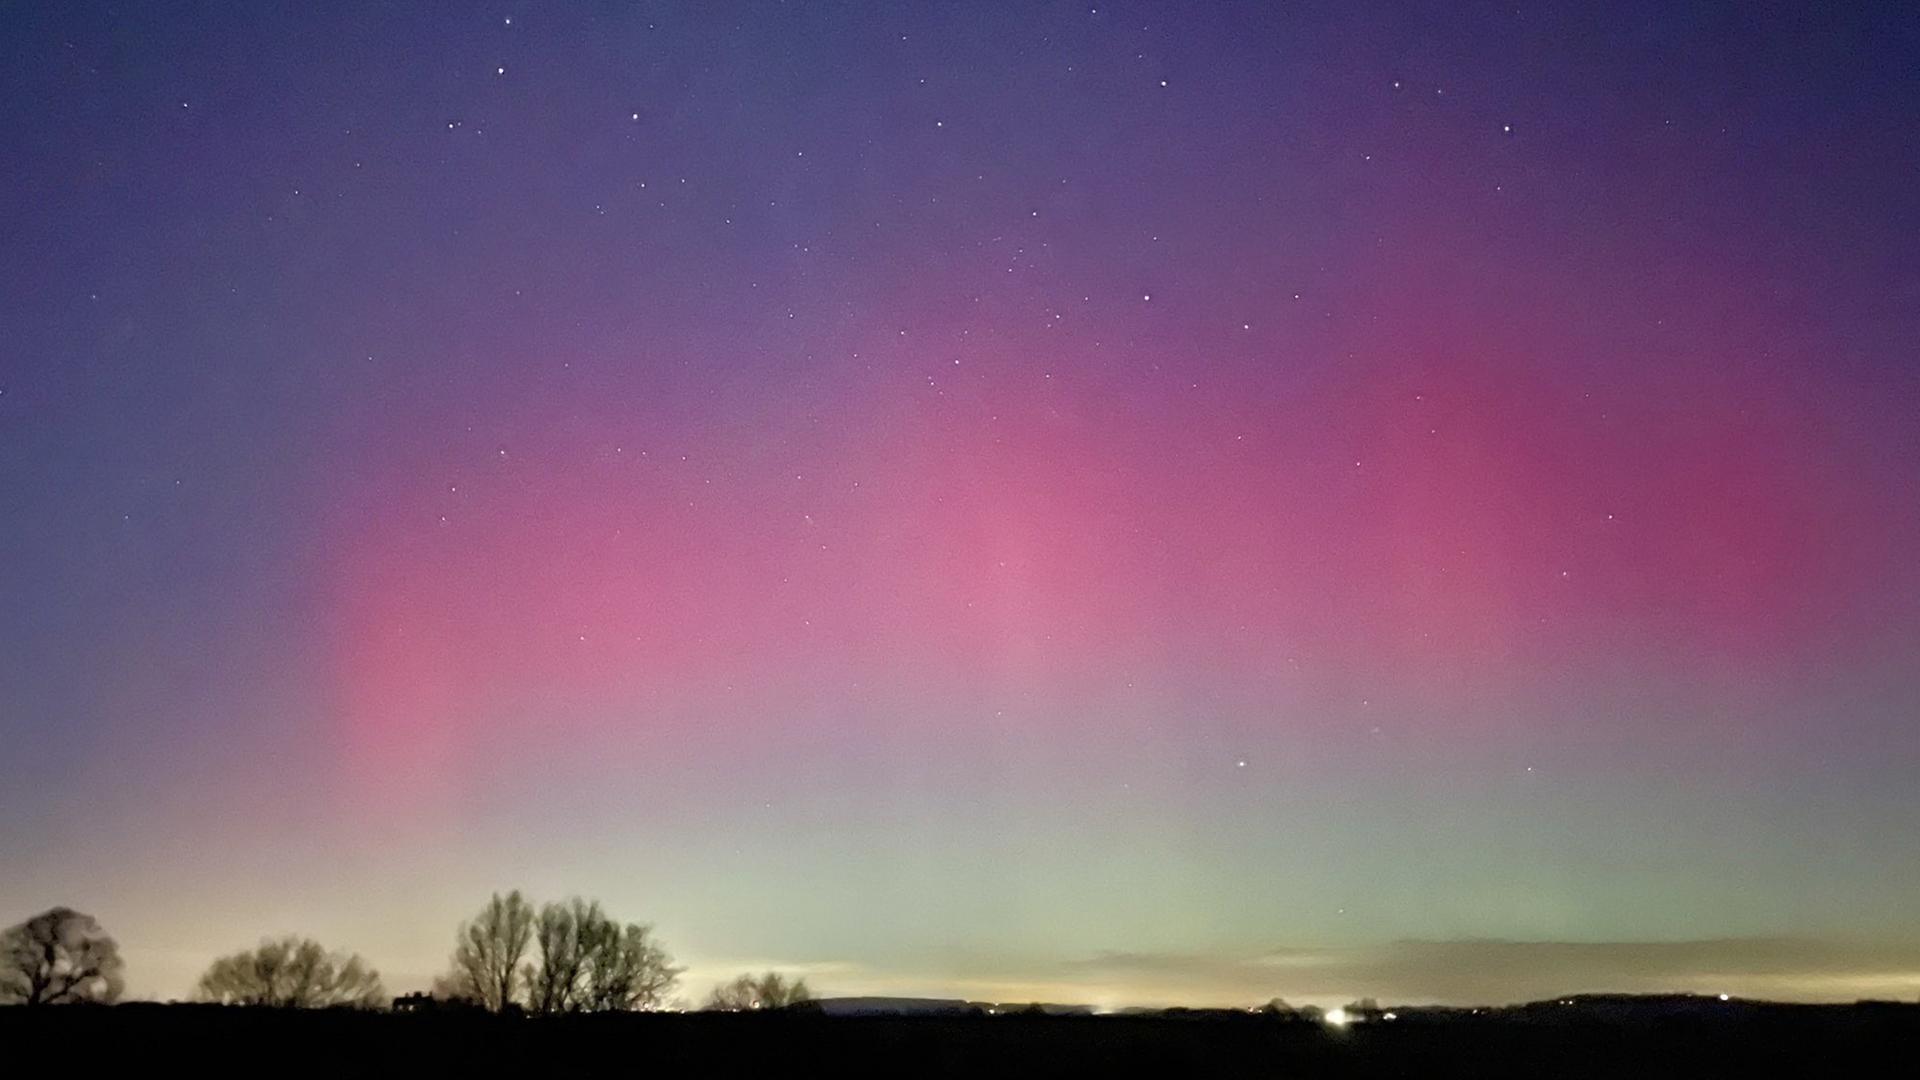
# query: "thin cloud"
1495,971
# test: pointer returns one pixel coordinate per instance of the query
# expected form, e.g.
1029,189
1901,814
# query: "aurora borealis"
1113,503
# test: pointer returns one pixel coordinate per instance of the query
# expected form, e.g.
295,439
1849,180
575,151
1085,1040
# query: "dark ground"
1750,1040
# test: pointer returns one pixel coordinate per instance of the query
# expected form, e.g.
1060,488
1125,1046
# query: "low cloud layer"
1494,971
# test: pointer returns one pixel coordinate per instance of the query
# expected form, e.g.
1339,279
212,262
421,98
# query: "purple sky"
1114,503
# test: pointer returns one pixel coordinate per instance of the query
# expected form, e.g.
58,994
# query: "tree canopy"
59,957
295,973
584,960
487,953
751,992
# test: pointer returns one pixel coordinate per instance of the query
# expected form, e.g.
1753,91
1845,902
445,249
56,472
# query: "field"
1746,1041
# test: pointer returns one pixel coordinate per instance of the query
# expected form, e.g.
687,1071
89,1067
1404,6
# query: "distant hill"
896,1006
911,1006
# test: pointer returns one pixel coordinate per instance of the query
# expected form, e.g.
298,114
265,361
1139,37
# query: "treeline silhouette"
564,957
600,986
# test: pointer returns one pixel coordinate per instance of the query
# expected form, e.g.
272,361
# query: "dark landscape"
1594,1036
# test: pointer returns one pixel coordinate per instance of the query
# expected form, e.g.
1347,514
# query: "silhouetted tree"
486,955
1366,1009
292,973
586,961
565,935
750,992
58,957
626,969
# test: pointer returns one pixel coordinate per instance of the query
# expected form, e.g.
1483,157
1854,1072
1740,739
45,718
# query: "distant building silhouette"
422,1002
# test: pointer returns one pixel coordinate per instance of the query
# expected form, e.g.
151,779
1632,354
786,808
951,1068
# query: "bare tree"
564,935
627,970
59,957
584,962
292,973
751,992
486,956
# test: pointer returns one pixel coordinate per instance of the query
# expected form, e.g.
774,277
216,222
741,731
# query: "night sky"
1119,504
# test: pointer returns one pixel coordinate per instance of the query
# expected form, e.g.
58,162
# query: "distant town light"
1337,1017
